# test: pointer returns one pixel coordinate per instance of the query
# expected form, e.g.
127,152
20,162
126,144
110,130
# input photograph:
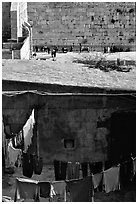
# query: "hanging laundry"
26,189
3,140
126,172
37,164
59,189
13,154
96,167
81,190
28,131
5,143
18,141
73,170
45,188
63,170
111,179
97,179
57,170
27,165
84,167
60,169
134,166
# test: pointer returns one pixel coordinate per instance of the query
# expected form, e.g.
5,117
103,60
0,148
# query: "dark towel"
60,169
37,164
57,170
63,170
126,172
73,170
81,190
45,188
27,165
84,167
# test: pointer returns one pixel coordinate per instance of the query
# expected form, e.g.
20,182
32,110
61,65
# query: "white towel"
111,179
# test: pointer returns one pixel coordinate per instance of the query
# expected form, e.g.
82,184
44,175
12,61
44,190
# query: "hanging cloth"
60,169
111,179
84,167
97,178
18,141
28,131
81,190
134,166
37,164
13,154
73,170
59,189
27,165
45,188
26,189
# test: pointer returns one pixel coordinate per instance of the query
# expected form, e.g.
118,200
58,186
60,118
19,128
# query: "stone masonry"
94,24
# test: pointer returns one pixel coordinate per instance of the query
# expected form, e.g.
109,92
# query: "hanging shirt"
81,190
84,167
73,170
111,179
28,131
27,165
97,178
59,189
26,189
60,169
45,188
13,154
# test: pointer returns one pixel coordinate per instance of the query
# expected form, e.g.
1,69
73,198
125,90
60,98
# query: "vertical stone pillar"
14,6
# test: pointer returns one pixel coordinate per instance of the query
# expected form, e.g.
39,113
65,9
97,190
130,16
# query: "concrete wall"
94,23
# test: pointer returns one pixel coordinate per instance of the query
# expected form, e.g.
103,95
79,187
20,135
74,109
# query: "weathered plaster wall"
94,23
86,120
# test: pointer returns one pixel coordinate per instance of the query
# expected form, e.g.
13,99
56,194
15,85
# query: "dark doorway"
123,136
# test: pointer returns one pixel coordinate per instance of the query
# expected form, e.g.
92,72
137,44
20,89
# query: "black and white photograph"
68,101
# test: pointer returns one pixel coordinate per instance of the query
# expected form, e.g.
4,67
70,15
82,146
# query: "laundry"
26,189
59,189
60,169
45,188
126,172
18,141
81,190
97,178
84,167
134,166
111,179
96,167
28,131
27,165
37,164
73,170
13,154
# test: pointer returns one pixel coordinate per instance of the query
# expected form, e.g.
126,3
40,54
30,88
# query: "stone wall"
94,24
